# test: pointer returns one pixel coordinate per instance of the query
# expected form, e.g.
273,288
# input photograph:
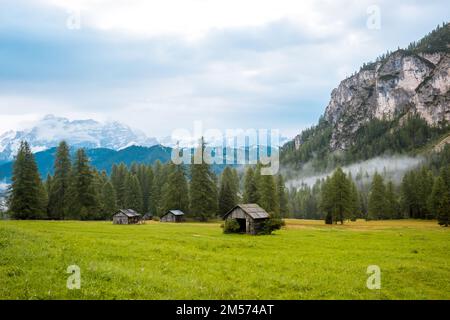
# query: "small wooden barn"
173,216
126,216
249,216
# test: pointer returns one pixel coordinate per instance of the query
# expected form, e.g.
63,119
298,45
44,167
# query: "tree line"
78,191
422,194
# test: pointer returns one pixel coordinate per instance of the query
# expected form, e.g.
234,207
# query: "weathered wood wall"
252,225
120,219
170,217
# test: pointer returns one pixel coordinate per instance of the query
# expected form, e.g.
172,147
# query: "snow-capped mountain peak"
50,130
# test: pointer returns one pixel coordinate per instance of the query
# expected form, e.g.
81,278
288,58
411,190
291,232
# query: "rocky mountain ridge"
403,84
50,130
411,81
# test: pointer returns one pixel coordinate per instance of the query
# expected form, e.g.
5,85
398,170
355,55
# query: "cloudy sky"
161,65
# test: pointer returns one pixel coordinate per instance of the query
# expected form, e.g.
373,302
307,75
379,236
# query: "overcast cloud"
160,65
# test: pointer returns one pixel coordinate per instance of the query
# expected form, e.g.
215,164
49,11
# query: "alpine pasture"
304,260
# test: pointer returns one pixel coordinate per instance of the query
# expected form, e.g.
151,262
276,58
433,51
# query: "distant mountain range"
105,143
90,134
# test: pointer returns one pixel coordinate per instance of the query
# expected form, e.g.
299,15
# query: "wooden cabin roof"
175,212
252,209
128,212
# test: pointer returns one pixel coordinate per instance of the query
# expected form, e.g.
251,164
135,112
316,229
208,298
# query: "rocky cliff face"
401,84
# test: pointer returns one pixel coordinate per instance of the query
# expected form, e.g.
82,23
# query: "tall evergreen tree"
268,194
377,198
439,202
85,202
58,195
424,186
250,187
27,197
392,204
176,191
354,200
445,175
133,193
48,183
327,200
118,179
282,198
159,180
336,197
237,183
227,191
108,200
203,188
409,195
341,191
145,176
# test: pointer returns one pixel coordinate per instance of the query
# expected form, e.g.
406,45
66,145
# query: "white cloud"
254,63
194,18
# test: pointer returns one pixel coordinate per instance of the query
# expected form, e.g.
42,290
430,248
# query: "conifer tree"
27,197
424,186
58,194
439,202
250,188
145,176
377,198
445,175
227,191
148,197
340,188
268,194
176,191
203,188
84,197
336,199
108,200
282,198
326,200
43,198
392,205
409,195
133,193
118,179
236,182
159,181
48,183
354,200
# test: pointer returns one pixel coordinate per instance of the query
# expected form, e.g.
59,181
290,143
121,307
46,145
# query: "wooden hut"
126,216
249,216
173,216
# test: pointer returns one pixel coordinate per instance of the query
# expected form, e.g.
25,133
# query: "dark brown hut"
173,216
249,216
126,216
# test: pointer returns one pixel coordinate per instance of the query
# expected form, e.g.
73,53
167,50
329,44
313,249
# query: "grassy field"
305,260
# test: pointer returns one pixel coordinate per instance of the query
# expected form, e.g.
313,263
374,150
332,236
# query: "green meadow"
304,260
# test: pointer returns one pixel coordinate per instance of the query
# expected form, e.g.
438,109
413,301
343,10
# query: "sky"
159,66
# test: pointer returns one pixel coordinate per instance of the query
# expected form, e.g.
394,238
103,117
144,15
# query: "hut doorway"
242,225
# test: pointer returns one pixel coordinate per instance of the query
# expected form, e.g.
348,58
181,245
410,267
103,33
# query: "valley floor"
305,260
